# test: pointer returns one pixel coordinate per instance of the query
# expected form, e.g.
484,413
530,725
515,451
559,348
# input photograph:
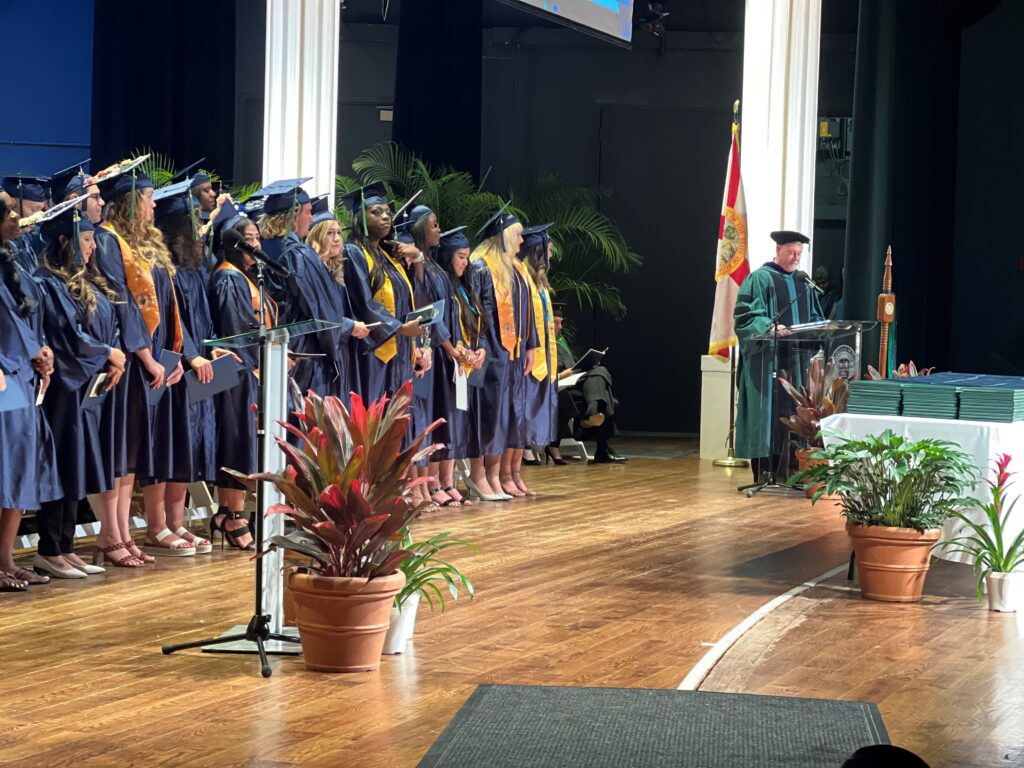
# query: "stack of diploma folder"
881,398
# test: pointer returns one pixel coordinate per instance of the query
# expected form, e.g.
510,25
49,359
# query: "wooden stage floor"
616,576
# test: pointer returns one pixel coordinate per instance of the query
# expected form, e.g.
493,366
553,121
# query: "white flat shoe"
40,563
89,569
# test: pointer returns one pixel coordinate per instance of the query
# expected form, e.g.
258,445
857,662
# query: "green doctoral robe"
764,292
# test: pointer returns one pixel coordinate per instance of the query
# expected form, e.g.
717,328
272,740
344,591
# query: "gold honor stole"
142,289
503,300
385,296
270,313
462,326
545,330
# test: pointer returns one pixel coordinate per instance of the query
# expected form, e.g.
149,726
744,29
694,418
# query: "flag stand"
730,460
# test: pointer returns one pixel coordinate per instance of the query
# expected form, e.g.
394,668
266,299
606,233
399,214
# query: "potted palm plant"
823,394
895,495
346,494
987,542
428,576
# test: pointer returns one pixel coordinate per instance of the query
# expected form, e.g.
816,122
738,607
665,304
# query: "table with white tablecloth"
983,440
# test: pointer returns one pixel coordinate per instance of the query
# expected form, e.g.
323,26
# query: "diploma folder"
13,398
169,360
96,392
590,360
225,377
427,315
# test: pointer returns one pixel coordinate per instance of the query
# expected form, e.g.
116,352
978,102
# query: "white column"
781,41
300,113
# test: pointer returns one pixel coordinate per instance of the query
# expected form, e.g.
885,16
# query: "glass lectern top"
819,331
278,333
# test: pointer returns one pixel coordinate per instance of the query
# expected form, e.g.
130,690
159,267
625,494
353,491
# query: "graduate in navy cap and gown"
134,259
308,293
542,399
28,467
381,296
326,240
30,195
236,308
81,325
774,295
503,285
176,217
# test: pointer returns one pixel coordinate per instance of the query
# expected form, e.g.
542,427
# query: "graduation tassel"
293,211
76,232
131,216
192,216
362,209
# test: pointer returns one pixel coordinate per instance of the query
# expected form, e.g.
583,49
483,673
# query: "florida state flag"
731,266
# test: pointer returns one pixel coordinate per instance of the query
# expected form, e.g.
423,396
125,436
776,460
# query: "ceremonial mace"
886,314
730,459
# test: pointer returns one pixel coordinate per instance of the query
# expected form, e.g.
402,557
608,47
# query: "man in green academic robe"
774,295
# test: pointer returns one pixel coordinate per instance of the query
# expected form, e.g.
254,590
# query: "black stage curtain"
164,77
437,82
903,174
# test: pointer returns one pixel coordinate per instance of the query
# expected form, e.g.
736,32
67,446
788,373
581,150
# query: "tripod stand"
259,629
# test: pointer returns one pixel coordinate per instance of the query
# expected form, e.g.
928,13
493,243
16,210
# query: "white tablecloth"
983,440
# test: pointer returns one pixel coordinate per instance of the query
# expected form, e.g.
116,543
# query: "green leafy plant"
888,480
985,542
428,574
345,488
822,394
589,248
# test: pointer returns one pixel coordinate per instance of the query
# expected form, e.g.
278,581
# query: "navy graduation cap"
172,199
322,210
537,234
65,219
25,187
357,200
196,180
68,181
123,183
498,223
453,239
283,195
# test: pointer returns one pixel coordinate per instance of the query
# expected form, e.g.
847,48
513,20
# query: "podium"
789,357
265,631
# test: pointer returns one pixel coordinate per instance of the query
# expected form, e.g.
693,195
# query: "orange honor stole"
385,296
503,300
270,315
139,276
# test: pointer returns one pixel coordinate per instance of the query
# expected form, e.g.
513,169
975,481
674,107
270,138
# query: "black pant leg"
70,518
49,524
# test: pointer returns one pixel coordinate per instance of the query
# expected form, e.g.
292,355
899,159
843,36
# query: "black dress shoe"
611,457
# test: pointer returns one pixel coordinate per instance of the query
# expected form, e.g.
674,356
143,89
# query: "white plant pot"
401,627
409,614
395,639
1005,591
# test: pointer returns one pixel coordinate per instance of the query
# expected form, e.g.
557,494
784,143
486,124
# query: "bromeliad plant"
985,542
344,487
888,480
426,573
824,394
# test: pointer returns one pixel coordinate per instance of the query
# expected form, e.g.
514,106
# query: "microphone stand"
771,482
258,629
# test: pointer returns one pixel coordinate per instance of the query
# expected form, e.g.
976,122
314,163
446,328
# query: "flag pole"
730,459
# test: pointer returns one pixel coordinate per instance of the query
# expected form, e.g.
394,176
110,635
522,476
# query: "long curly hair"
144,238
317,240
535,257
9,267
82,281
180,237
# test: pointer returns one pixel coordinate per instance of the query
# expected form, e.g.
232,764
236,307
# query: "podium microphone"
233,240
801,275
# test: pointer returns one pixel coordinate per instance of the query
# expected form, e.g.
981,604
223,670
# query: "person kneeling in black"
586,410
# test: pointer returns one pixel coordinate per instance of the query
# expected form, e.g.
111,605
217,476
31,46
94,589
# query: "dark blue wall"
46,125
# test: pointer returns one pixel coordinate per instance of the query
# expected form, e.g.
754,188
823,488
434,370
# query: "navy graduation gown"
436,286
231,308
81,345
132,420
309,293
198,324
378,378
28,478
542,396
26,249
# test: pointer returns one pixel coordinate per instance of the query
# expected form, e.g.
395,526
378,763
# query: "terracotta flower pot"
342,621
892,562
803,462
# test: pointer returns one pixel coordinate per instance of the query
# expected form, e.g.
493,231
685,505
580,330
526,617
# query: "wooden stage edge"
615,575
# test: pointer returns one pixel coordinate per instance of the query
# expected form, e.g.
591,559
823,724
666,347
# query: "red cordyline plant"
345,486
824,393
988,542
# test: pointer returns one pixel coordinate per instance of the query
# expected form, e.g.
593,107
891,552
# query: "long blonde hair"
492,247
144,238
317,240
276,225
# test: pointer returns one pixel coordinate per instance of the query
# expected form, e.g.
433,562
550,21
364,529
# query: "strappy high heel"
101,554
451,490
229,535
